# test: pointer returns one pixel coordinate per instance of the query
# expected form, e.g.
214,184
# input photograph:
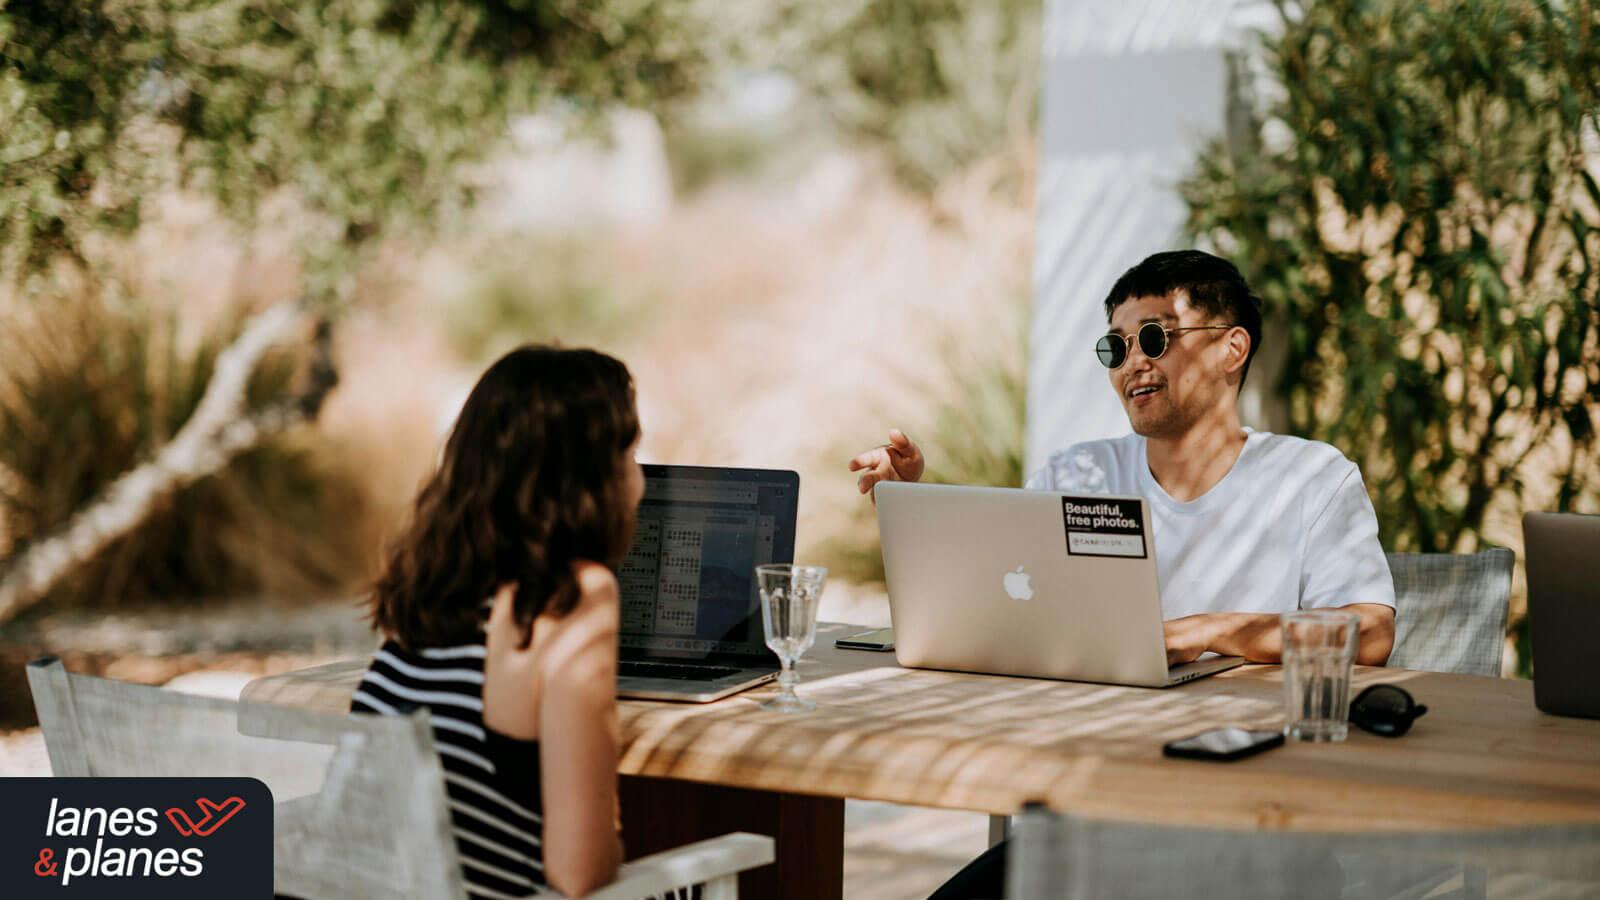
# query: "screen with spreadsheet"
688,581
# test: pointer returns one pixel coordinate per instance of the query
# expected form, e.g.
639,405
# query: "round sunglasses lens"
1110,349
1152,340
1380,724
1385,710
1384,700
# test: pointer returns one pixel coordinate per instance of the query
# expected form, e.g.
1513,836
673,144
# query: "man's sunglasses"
1385,710
1113,349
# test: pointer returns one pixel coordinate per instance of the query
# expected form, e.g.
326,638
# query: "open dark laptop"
1563,554
691,615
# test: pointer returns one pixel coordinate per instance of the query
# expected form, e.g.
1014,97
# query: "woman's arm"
579,737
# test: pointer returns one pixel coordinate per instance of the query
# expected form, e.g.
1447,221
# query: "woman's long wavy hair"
530,481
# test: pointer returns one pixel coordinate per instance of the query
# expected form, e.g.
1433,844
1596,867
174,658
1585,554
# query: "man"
1248,525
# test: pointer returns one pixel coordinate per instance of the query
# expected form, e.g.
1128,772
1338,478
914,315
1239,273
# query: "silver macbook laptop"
691,615
1037,583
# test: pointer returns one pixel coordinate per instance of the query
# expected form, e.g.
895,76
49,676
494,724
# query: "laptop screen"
688,581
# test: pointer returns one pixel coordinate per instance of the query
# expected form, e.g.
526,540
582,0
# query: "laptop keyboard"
637,669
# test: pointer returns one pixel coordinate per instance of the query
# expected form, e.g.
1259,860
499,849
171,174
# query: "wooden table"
1482,756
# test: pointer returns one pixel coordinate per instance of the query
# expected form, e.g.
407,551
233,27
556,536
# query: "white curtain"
1131,91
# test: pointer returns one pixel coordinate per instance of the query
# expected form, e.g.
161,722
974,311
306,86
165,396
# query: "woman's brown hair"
530,481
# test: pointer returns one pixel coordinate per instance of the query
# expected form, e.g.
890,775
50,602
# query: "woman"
499,610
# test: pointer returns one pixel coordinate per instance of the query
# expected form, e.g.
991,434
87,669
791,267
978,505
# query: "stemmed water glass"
789,598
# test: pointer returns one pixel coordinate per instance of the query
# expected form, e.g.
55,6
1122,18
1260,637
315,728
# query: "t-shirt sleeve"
1344,563
1080,468
1041,480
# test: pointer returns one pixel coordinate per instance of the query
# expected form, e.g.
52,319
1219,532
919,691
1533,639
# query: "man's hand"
898,460
1258,637
1188,637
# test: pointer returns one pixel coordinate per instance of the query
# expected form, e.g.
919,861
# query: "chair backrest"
1450,610
360,806
1054,856
99,727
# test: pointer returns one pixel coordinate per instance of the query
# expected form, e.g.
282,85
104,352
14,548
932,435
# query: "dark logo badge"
136,838
1103,526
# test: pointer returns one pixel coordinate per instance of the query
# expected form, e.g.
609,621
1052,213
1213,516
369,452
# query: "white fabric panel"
1131,89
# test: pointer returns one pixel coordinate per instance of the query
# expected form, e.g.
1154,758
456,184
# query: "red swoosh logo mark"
215,814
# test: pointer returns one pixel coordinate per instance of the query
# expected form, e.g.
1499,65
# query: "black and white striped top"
492,781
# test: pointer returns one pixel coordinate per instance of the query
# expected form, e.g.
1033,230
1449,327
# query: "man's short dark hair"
1212,283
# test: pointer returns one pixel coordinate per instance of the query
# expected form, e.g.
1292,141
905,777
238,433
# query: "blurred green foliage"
1425,216
1430,229
978,428
88,391
366,109
700,154
936,84
971,430
531,288
367,114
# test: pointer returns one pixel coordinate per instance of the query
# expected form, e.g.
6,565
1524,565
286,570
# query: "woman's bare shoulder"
583,641
596,582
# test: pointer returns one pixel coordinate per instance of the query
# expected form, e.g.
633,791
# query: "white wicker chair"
360,803
1450,610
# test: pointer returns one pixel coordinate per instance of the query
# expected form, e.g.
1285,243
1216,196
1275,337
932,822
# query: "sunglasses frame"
1381,722
1110,339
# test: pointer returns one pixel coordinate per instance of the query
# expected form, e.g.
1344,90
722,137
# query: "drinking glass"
1318,647
789,597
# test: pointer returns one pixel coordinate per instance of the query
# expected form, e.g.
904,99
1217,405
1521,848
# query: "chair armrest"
688,865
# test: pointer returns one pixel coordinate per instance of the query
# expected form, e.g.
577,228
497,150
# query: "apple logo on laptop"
1017,587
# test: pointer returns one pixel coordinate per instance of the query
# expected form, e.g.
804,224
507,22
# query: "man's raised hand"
898,460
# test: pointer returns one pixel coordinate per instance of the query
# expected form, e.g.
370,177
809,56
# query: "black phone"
876,639
1223,744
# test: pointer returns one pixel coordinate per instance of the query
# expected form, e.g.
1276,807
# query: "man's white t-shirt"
1290,526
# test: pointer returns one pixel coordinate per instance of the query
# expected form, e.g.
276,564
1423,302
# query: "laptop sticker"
1103,526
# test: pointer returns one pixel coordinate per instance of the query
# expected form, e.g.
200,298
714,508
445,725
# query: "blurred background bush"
674,181
938,85
1417,202
90,389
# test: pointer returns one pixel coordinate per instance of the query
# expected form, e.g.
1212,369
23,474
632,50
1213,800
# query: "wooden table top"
1482,756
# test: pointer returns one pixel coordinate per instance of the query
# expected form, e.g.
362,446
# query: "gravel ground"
22,754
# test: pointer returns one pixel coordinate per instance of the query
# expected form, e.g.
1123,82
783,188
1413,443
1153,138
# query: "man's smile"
1143,393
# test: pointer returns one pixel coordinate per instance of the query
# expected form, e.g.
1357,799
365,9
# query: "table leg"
999,829
661,813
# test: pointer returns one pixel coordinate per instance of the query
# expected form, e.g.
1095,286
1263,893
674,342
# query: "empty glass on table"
1319,646
789,598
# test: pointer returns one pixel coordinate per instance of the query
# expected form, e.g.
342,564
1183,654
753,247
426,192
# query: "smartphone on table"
1223,744
876,639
